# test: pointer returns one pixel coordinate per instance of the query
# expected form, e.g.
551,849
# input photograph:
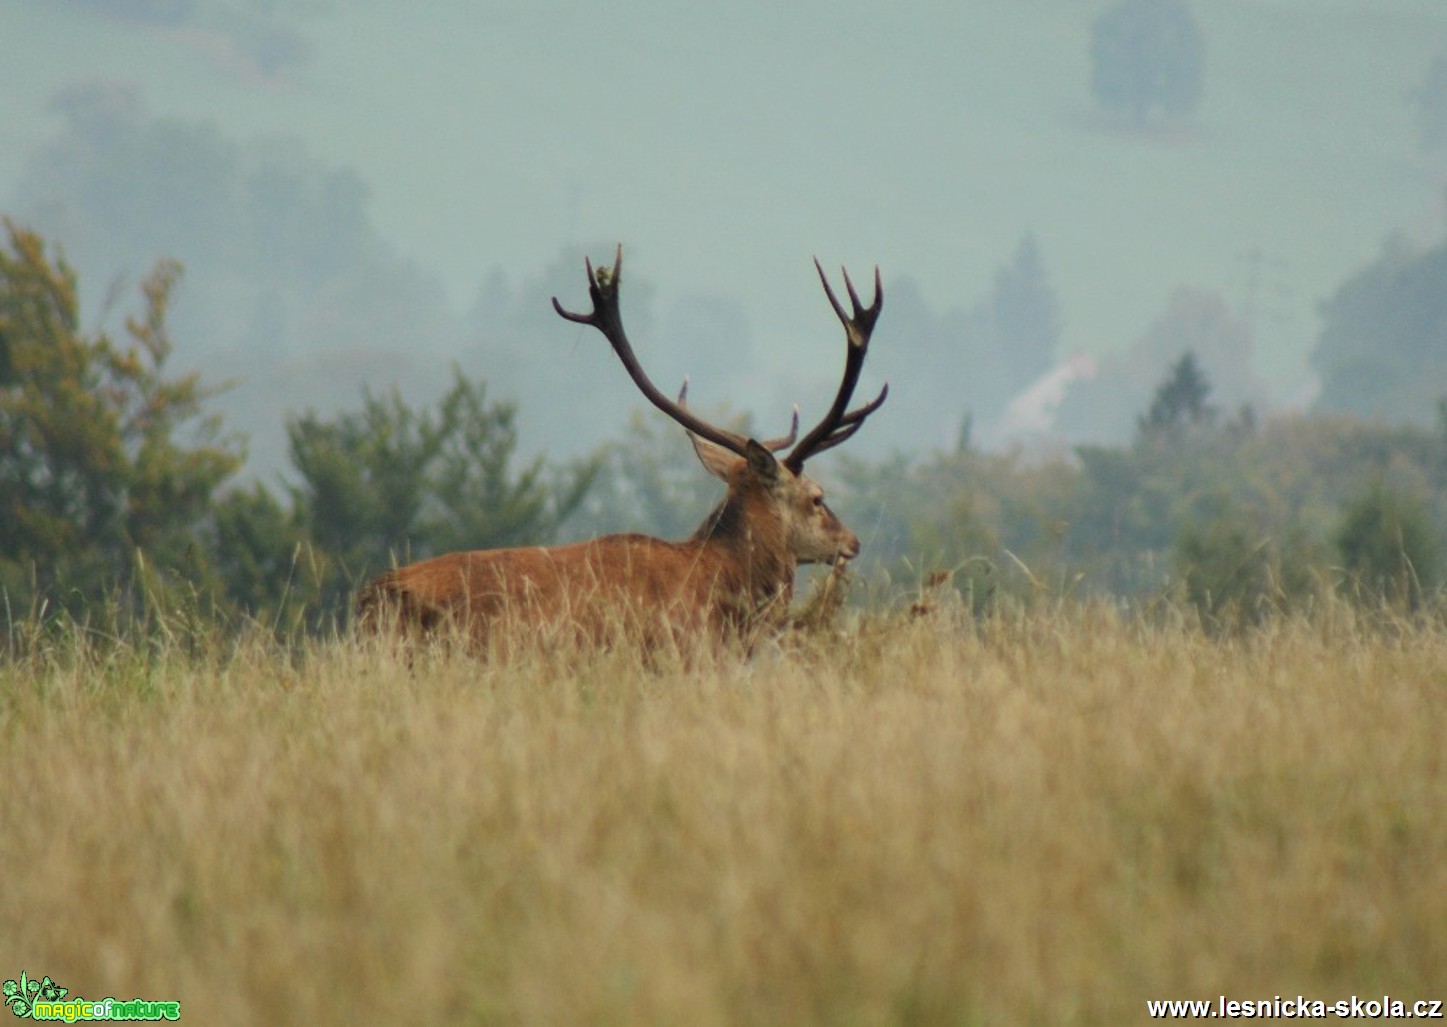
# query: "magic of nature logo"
46,1000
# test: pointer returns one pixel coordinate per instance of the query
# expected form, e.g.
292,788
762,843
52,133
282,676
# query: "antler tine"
840,423
851,423
859,327
603,290
785,441
772,445
596,281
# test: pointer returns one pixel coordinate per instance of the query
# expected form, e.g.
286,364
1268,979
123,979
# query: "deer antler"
603,288
838,424
772,445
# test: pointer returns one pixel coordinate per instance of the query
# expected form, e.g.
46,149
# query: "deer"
732,578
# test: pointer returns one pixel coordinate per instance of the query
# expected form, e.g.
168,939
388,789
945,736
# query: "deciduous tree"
1147,56
102,455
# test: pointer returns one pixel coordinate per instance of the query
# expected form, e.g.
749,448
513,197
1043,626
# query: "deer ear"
762,463
716,460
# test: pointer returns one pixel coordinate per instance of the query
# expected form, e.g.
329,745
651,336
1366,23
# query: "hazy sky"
726,144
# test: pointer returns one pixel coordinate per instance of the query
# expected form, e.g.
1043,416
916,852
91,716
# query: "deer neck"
750,538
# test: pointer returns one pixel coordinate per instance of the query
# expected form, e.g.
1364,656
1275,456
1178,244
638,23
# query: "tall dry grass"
1045,818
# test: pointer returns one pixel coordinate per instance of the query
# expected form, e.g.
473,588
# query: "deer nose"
849,548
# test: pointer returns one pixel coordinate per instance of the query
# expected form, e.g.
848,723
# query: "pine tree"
1180,403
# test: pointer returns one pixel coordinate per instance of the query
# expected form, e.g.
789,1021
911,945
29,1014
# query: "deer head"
772,490
735,573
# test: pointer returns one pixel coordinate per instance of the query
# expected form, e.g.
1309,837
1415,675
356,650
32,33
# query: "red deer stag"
734,576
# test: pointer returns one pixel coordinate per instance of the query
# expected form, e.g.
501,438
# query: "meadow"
1043,816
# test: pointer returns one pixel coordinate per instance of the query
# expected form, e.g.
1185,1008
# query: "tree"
1147,55
1389,545
478,499
391,483
262,558
955,362
363,479
1383,345
1103,408
1235,573
291,290
1180,404
1025,315
93,466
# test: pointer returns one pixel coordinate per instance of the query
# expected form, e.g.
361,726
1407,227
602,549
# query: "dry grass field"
1041,818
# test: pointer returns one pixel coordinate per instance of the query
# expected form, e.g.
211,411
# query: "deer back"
734,575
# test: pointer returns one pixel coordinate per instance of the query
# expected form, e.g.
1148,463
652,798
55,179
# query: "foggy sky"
727,144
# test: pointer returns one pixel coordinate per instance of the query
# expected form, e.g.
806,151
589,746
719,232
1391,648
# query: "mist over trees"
969,362
1103,409
1147,57
293,296
1382,352
302,287
290,292
1024,315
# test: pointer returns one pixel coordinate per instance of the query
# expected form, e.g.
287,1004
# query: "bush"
1389,547
1233,572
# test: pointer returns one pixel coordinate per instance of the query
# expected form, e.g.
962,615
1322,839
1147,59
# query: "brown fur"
734,577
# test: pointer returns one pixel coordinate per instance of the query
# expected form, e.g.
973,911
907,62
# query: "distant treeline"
1241,518
295,294
119,491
